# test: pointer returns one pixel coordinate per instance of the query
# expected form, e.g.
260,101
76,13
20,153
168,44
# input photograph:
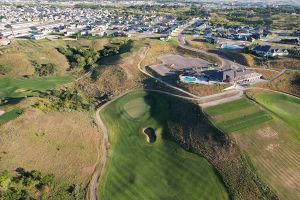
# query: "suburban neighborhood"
149,100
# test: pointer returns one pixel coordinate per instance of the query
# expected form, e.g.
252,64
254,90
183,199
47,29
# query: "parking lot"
171,63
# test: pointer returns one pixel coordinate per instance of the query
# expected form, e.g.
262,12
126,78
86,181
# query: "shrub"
44,69
4,69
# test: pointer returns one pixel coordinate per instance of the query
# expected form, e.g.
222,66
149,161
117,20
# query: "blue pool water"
231,46
188,79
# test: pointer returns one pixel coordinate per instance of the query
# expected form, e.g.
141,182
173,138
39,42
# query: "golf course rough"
137,169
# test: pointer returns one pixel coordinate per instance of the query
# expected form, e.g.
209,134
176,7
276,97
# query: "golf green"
137,169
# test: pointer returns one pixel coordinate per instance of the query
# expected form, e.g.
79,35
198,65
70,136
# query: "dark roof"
267,48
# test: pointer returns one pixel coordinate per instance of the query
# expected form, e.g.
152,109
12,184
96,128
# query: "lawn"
282,106
137,169
16,88
237,115
13,114
272,146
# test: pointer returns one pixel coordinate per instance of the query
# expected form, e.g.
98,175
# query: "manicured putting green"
137,169
136,107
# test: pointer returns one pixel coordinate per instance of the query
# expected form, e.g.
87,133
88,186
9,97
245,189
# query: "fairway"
16,88
285,107
237,115
13,114
137,169
271,137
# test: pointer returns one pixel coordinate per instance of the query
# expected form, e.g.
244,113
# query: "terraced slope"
138,169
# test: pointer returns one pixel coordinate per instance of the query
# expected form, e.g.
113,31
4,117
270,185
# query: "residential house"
270,51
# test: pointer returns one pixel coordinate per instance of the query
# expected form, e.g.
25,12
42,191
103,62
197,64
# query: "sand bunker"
150,133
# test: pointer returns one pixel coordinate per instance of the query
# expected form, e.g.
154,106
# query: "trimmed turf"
285,107
244,121
16,88
274,146
228,107
237,115
136,107
13,114
160,170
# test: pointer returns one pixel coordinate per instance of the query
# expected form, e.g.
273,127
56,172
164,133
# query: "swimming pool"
191,79
231,46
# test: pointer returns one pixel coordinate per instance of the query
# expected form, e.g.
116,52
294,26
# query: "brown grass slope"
65,144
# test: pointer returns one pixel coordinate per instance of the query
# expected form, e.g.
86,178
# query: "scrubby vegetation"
273,17
44,69
4,69
289,82
80,57
34,185
195,133
62,100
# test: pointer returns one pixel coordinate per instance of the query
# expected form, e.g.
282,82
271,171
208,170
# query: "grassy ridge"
161,170
15,88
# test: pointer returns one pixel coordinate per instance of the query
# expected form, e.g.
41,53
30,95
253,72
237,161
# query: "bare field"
157,49
288,82
203,90
199,43
17,63
65,144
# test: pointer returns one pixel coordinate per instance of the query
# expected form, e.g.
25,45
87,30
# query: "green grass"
274,146
228,107
16,88
136,107
244,121
287,108
237,115
13,114
137,169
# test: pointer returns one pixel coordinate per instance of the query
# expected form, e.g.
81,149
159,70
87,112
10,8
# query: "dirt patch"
150,133
272,147
267,132
2,112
